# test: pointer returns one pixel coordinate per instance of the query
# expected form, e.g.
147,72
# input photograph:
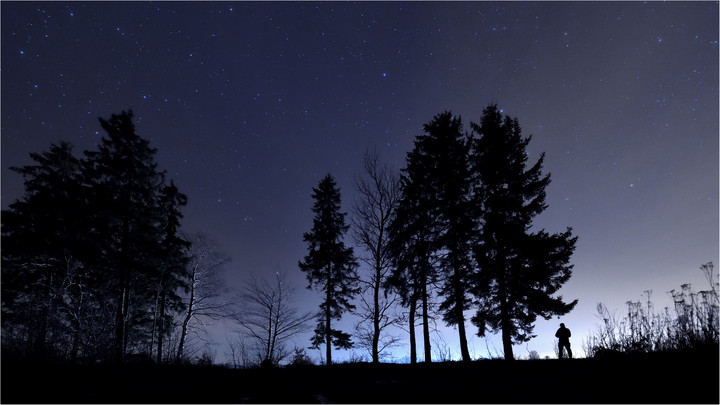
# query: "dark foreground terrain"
657,378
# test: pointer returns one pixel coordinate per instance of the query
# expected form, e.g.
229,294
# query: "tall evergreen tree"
449,147
414,240
330,266
171,268
434,224
41,248
519,270
126,188
92,247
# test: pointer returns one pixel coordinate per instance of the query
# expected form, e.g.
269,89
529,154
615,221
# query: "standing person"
563,334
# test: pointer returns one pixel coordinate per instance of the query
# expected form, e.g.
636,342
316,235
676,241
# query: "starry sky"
251,104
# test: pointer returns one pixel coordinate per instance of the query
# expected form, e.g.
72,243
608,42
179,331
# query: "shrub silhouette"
299,358
692,325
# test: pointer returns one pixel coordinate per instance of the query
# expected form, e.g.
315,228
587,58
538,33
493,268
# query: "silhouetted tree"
379,193
450,183
330,266
171,269
414,234
433,228
41,251
270,317
206,295
519,271
126,188
238,355
92,261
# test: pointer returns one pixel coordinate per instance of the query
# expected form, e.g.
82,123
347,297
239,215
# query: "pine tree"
519,270
329,266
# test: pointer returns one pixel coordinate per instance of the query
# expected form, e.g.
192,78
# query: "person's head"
562,325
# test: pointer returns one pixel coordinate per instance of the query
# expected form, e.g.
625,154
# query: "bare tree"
237,354
379,191
270,316
207,294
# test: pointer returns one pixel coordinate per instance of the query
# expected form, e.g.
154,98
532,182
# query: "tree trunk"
413,345
124,283
183,333
268,347
328,339
328,329
459,305
376,313
188,316
156,309
426,322
161,328
120,321
505,321
276,325
463,338
126,314
507,344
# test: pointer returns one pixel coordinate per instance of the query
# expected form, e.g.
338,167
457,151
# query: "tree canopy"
330,266
519,270
92,257
94,265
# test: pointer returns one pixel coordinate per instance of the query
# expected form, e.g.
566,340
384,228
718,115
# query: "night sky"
251,104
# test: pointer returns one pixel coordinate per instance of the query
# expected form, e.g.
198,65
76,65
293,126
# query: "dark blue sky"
251,104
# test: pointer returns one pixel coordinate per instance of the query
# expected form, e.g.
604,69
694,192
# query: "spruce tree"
41,249
433,226
414,239
449,147
91,259
519,270
125,190
172,258
330,266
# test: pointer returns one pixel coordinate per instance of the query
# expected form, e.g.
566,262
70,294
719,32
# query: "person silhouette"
563,335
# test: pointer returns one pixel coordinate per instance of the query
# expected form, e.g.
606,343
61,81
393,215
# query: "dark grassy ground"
657,378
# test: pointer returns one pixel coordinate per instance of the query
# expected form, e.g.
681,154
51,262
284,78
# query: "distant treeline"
94,267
